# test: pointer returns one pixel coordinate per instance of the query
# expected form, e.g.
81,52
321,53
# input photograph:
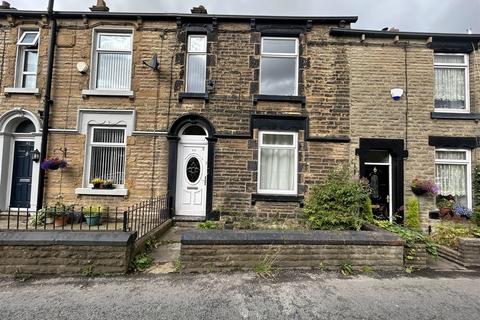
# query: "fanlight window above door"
194,131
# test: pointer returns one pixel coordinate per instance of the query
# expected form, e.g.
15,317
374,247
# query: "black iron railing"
142,217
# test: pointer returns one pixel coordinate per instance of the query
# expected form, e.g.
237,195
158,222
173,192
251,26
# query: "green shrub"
449,233
411,237
412,214
208,225
367,212
476,215
338,203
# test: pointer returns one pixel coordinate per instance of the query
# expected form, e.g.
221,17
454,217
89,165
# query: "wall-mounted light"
82,67
396,93
36,155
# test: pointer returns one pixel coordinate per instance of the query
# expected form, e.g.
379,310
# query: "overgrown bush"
449,233
338,203
412,214
476,196
411,237
367,212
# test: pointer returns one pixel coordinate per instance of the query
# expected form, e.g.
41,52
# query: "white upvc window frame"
465,66
279,55
91,144
294,147
467,161
22,49
97,32
196,53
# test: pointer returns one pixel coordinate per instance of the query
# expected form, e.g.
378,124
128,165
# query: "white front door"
191,193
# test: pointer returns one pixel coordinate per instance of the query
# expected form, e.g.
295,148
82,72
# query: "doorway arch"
191,151
20,136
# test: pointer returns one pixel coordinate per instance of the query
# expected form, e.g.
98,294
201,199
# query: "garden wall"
65,253
219,250
469,250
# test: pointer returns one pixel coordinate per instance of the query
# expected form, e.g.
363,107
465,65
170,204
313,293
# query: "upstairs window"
112,60
277,163
196,63
27,59
106,156
451,82
279,66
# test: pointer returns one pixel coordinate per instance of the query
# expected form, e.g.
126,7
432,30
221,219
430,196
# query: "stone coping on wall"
67,238
281,237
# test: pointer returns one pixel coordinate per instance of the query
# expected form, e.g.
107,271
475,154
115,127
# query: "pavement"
290,295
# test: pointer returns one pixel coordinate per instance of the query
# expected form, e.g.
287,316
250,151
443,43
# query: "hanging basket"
53,164
419,191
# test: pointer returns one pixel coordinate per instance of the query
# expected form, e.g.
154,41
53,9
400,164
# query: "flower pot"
93,220
75,217
60,221
445,213
418,191
49,220
97,185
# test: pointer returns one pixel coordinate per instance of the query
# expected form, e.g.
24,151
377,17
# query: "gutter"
174,16
405,35
47,102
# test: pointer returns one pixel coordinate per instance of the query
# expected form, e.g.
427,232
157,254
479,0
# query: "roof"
406,35
173,16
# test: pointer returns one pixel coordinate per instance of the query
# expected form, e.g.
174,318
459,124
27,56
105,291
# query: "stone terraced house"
226,112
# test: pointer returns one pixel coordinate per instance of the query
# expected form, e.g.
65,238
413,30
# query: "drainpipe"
47,101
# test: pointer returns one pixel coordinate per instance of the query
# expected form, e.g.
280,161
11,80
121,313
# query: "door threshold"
189,218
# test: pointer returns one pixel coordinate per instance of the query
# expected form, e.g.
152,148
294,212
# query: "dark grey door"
22,174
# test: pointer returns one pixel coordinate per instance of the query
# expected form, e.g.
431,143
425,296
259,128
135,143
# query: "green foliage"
367,212
412,214
88,270
346,268
449,233
93,210
142,261
322,266
476,196
411,237
265,267
209,225
178,265
367,269
409,270
338,203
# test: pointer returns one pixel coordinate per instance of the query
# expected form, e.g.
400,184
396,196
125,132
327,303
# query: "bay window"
277,169
27,60
453,174
106,154
279,66
196,63
112,60
451,82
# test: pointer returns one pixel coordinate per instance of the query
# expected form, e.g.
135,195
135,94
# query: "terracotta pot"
60,221
445,213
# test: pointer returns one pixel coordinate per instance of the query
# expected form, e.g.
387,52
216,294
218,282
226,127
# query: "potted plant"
108,184
60,218
463,213
93,215
420,187
445,206
97,183
54,163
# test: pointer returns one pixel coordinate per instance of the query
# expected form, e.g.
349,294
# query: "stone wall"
237,250
65,253
469,250
415,256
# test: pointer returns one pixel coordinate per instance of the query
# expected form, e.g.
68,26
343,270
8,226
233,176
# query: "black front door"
22,174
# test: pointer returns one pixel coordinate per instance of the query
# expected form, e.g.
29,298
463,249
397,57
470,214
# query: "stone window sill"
108,93
276,198
455,115
33,91
119,192
191,95
279,98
